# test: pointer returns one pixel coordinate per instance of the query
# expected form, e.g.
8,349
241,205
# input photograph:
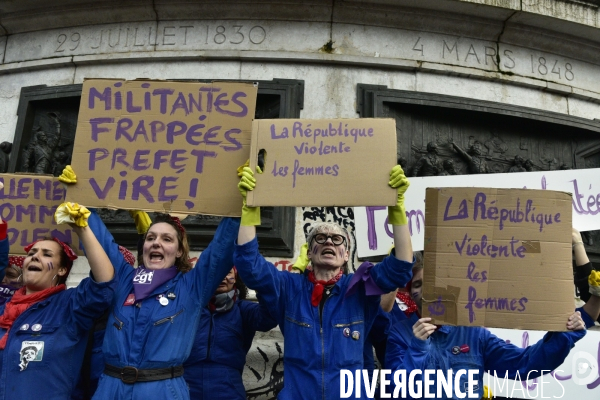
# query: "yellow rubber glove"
594,281
68,175
487,393
302,261
142,220
250,215
72,213
397,213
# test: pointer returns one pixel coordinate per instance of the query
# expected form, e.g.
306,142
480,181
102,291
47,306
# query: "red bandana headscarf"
21,302
319,286
410,303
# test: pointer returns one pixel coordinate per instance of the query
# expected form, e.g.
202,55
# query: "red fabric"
410,303
21,302
3,227
127,255
16,260
317,293
178,223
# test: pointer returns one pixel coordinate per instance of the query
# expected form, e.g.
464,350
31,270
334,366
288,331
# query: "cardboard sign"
498,258
162,146
27,204
374,235
324,162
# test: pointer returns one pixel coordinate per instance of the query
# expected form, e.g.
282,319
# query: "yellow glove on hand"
68,175
250,215
72,213
302,261
397,213
594,281
487,393
142,220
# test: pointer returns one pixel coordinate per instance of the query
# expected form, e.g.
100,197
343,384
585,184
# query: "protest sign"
498,258
162,146
323,162
374,235
27,204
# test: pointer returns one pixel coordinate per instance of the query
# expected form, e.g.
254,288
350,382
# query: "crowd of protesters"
167,328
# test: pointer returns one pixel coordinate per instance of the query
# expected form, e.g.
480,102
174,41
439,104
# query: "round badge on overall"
346,332
455,350
163,301
24,327
464,348
356,335
36,327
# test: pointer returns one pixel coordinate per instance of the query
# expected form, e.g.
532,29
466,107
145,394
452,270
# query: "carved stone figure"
5,148
528,165
448,168
430,164
38,155
517,165
474,159
60,160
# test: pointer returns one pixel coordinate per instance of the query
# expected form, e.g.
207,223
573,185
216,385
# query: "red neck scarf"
21,302
319,286
410,303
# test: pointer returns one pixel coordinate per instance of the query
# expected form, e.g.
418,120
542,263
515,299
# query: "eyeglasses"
337,240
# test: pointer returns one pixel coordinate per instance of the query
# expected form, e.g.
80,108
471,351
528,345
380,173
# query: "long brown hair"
182,262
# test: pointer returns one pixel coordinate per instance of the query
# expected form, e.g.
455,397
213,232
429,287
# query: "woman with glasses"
323,314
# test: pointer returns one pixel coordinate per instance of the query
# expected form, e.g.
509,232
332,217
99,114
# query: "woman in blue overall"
156,310
225,333
416,344
323,317
44,327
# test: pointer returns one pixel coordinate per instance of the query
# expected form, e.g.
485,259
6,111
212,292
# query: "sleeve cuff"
3,228
583,271
419,345
589,322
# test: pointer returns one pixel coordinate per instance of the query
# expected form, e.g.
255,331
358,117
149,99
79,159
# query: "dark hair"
182,262
418,261
241,287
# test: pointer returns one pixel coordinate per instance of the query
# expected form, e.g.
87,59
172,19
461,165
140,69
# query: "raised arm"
584,275
397,216
216,260
77,217
102,268
547,354
108,244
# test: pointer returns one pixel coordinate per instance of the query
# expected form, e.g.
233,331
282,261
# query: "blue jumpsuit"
216,363
486,352
315,351
58,327
152,335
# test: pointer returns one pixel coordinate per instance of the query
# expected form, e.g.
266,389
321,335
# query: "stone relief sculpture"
5,148
43,153
430,164
518,165
474,158
448,168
